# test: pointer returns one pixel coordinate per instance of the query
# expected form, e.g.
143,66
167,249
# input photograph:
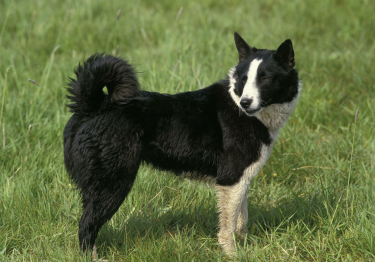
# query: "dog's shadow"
309,209
157,223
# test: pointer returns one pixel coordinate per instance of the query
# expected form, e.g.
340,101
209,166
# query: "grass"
314,199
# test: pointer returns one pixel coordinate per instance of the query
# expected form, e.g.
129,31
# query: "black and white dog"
225,131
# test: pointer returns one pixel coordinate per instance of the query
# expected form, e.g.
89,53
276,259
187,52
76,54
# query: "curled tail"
99,71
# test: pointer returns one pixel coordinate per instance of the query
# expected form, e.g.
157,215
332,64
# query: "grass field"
313,201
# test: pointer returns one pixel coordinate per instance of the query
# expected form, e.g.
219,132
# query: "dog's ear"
242,47
285,53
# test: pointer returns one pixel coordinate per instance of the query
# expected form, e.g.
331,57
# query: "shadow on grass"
155,224
310,210
201,221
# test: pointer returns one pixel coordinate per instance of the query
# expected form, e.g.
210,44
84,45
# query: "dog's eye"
243,80
264,78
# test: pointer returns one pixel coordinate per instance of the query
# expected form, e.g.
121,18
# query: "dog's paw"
226,241
95,256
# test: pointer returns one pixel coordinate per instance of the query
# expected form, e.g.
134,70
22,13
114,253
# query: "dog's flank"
225,131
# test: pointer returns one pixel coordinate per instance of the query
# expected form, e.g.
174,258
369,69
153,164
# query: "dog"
225,131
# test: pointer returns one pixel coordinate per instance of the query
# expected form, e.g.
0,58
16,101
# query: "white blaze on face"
250,90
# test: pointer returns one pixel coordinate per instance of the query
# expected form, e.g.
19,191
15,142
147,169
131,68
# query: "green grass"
314,200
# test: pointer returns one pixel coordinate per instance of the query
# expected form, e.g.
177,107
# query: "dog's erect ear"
242,47
285,53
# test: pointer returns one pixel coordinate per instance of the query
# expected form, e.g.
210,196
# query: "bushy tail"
99,71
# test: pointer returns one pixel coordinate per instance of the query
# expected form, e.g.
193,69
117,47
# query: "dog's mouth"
252,112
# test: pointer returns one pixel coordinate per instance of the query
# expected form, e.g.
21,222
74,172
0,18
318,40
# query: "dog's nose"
246,102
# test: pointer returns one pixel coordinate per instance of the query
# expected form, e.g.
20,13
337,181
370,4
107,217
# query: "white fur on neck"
275,116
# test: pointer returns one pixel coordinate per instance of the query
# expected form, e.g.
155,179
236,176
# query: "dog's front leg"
243,218
230,202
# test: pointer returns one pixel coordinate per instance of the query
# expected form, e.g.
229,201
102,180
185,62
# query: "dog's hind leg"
101,201
230,201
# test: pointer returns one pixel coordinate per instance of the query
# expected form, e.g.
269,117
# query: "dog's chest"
254,168
273,117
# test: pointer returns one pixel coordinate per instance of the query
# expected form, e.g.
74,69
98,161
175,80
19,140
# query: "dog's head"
263,77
